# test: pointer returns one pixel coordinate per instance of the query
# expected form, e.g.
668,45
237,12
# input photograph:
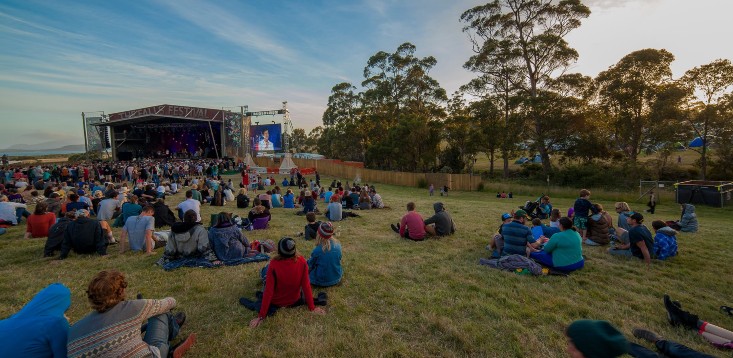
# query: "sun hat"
325,230
286,247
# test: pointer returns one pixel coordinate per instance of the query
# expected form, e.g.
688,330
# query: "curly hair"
106,290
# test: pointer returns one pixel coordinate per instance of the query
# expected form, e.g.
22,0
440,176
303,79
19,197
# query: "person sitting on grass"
324,265
563,252
598,227
554,218
84,236
545,208
242,199
624,211
138,231
227,239
189,239
688,220
75,204
11,213
287,284
365,202
289,199
113,329
276,199
258,211
497,244
311,229
334,210
547,231
309,203
163,214
411,225
640,240
56,234
665,240
581,210
40,328
440,224
39,223
518,238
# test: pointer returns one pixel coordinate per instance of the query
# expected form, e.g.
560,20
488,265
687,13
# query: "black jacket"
85,236
163,215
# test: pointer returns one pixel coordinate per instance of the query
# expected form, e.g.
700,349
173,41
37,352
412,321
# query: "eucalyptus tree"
708,84
528,36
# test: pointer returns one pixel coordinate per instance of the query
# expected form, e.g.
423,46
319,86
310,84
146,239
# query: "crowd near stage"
171,131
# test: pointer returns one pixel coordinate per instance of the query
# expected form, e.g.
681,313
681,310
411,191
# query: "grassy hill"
410,299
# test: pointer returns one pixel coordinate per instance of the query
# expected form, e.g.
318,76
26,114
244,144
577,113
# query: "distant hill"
43,148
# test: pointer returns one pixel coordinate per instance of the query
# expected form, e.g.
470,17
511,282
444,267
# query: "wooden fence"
351,171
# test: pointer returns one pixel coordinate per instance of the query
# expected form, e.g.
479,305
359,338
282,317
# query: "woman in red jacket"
39,222
286,285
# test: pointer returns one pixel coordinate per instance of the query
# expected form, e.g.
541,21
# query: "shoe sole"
184,346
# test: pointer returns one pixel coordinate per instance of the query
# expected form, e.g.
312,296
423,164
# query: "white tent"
249,162
287,163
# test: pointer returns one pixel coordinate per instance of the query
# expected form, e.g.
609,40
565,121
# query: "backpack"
243,223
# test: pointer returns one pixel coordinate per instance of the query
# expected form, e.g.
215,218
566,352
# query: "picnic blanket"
202,262
513,262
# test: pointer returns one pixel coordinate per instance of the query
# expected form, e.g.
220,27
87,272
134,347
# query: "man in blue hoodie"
40,328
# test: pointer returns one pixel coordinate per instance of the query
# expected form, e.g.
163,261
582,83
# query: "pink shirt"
413,221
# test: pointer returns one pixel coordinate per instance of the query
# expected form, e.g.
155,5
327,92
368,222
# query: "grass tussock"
410,299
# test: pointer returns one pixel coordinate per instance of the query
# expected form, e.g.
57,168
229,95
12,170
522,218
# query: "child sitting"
554,217
325,262
311,229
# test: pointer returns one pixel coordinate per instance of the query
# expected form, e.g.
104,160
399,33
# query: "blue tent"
696,143
537,159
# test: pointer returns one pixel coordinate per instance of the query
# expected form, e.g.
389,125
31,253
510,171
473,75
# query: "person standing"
652,202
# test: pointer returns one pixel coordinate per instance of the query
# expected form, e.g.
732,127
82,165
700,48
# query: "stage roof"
165,111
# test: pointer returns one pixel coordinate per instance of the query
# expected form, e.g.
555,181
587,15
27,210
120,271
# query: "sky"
61,58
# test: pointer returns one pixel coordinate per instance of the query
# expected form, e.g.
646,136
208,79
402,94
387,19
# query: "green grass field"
411,299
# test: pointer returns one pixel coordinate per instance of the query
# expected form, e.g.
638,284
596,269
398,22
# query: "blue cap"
505,216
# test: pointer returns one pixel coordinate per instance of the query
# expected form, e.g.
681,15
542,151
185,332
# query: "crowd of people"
75,208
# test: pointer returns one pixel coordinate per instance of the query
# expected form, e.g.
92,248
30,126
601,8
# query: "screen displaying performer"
266,137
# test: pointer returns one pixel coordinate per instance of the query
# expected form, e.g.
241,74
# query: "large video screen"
266,137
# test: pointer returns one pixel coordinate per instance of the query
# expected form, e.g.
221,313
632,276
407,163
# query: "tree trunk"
491,163
505,157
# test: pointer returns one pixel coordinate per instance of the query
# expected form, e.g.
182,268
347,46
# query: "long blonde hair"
324,243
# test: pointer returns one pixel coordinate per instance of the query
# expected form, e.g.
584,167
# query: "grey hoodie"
667,231
443,223
688,222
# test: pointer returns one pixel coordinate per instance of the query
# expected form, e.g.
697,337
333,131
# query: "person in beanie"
595,339
325,262
286,285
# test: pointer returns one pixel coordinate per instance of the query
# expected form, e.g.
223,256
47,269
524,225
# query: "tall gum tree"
708,84
529,34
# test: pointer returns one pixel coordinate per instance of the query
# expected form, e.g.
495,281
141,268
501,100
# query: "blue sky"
60,58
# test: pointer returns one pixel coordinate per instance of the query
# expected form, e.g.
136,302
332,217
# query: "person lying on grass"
599,339
113,329
563,252
40,328
287,284
324,265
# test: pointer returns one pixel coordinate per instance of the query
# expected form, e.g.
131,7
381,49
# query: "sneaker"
395,228
677,316
646,335
180,318
182,347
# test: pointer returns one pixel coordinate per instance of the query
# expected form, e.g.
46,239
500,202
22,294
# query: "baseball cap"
505,216
520,213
